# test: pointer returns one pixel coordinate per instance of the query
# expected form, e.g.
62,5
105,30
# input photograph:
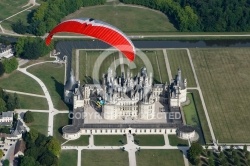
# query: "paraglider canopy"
97,29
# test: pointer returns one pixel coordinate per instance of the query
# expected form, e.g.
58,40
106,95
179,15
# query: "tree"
210,161
247,155
33,135
219,148
28,161
2,105
245,149
1,69
28,117
54,146
2,94
10,102
194,151
19,27
1,153
16,100
10,65
6,162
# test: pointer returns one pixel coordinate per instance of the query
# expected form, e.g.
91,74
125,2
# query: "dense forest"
203,15
49,14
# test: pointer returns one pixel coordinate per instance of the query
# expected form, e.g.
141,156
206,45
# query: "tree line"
8,102
184,18
40,150
31,48
208,16
49,14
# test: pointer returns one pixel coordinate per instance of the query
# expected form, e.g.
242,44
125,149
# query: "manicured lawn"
68,157
156,59
191,116
201,116
60,120
82,141
18,81
9,8
179,59
127,18
149,140
223,75
105,158
31,102
175,141
110,140
40,122
159,157
52,76
86,69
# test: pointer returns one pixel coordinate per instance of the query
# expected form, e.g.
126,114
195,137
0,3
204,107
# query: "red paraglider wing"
99,30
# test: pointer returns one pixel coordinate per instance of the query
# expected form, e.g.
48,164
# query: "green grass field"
31,102
105,158
175,141
109,140
68,157
149,140
82,141
159,157
127,18
223,75
60,120
156,59
179,59
21,16
52,76
40,122
201,116
10,7
191,116
18,81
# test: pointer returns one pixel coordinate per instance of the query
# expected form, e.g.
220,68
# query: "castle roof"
71,82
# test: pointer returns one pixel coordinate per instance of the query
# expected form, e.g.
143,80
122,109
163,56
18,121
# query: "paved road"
131,148
48,97
77,65
24,93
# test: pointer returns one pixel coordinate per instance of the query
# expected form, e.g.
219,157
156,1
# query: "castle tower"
69,88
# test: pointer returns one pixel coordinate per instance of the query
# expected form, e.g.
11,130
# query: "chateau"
127,96
129,104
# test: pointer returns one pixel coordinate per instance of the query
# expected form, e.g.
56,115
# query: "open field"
9,8
104,158
52,76
127,18
109,140
31,102
82,141
18,81
60,120
159,157
149,140
68,157
175,141
40,122
156,59
223,75
179,59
